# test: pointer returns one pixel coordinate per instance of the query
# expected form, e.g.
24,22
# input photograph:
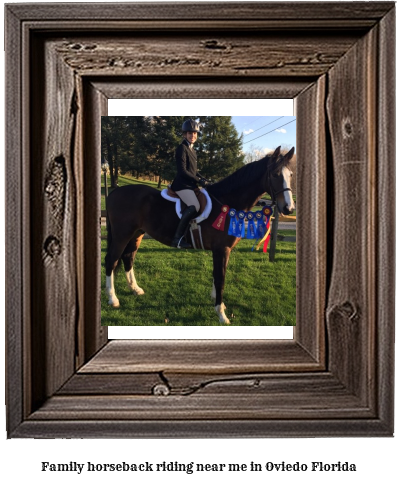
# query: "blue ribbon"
260,225
233,228
257,224
251,230
241,224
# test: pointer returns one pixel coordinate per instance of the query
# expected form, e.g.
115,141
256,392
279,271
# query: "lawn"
177,285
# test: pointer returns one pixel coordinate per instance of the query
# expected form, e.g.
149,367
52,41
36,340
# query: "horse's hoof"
138,291
114,304
220,308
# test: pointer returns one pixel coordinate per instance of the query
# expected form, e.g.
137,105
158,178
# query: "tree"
136,157
107,149
219,148
147,145
254,153
114,142
164,139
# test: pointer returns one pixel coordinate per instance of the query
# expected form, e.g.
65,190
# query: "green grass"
124,181
178,283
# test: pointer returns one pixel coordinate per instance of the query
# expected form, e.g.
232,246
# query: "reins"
273,193
214,197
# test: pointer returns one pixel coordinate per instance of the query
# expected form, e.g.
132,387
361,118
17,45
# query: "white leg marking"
213,293
131,280
220,310
109,287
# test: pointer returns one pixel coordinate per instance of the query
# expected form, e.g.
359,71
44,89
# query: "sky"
263,133
266,133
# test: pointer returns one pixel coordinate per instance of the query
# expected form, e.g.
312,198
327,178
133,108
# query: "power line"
269,132
252,121
263,126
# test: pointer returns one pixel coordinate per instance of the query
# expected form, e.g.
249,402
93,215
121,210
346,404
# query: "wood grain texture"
204,407
112,384
277,396
351,109
335,377
192,428
311,112
386,168
200,356
312,218
95,336
185,384
218,55
197,88
360,13
53,207
15,259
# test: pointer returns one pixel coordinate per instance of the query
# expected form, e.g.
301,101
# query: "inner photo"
198,221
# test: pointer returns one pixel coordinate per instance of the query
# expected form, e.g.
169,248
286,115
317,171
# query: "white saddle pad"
200,218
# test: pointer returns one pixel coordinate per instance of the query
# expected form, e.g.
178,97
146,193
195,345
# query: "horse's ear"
289,154
276,153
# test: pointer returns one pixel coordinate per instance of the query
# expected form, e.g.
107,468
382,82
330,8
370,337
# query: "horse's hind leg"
220,261
128,257
111,261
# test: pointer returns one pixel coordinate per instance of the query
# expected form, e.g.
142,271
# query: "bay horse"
138,209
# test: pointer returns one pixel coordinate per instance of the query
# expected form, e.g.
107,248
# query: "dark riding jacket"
186,162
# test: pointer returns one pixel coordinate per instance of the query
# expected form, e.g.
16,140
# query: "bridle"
274,193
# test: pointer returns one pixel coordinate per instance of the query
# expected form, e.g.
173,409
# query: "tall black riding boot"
179,240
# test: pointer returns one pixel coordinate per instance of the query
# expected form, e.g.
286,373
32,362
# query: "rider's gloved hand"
203,182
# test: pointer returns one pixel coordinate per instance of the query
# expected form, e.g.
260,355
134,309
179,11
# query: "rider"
187,180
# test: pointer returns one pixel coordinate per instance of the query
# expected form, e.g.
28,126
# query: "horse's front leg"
220,261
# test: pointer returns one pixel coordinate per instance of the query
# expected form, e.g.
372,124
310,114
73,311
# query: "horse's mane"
246,175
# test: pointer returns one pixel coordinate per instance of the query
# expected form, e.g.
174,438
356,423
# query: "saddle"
203,198
198,193
205,210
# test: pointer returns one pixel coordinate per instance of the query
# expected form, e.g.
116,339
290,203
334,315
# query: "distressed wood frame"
335,378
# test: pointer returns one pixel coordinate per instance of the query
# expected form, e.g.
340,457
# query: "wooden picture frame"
335,378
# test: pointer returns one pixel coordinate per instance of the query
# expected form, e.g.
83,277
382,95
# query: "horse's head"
279,179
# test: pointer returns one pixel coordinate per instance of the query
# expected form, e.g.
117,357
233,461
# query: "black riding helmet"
190,125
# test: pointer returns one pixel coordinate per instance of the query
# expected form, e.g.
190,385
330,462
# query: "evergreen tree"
219,148
147,145
138,143
164,140
108,146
